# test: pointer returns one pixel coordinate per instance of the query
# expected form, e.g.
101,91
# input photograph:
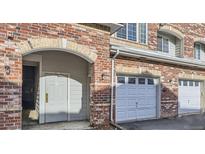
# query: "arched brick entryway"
35,50
90,42
37,44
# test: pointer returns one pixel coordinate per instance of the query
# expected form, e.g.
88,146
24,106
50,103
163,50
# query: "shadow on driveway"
188,122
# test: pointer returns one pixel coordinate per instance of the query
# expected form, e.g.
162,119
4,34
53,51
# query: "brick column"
10,88
101,87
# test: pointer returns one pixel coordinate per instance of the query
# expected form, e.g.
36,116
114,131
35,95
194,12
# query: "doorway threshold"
68,125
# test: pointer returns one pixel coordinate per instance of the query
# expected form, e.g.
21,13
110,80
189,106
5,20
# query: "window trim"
137,34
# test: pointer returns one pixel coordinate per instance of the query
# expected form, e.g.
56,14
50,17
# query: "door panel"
57,98
78,102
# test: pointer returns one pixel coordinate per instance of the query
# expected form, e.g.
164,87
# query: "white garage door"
136,98
189,96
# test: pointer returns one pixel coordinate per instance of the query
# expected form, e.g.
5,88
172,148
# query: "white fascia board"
156,56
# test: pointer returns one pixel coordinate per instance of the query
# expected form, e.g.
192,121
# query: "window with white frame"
162,44
122,32
134,32
143,33
199,51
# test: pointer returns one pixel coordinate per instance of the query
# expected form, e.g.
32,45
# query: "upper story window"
163,44
170,40
134,32
199,50
169,44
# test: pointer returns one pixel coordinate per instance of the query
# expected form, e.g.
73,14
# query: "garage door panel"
131,91
121,86
121,103
141,91
121,115
121,92
146,113
136,100
146,102
131,103
131,114
146,106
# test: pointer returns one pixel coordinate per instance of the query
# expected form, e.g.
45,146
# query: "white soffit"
113,26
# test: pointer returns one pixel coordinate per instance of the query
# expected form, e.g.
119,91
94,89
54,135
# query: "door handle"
136,104
46,96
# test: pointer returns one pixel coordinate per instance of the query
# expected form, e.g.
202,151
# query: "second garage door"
189,96
136,98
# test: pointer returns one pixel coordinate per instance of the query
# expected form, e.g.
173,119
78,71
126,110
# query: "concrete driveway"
189,122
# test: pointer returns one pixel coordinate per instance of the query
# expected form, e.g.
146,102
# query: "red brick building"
68,72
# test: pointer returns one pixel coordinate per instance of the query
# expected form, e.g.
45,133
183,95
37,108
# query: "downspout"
112,84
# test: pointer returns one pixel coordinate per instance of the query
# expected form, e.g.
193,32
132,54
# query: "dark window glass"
197,51
132,80
141,81
120,79
162,44
180,82
184,83
150,81
191,83
143,33
159,43
132,31
165,45
197,83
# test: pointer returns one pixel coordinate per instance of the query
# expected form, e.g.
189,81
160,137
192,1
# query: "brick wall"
93,36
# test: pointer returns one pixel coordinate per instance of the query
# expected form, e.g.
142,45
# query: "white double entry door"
57,93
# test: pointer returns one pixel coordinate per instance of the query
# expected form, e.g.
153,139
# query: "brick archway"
200,40
171,30
38,44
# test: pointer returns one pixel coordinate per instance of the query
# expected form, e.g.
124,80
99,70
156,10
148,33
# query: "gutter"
156,56
112,84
